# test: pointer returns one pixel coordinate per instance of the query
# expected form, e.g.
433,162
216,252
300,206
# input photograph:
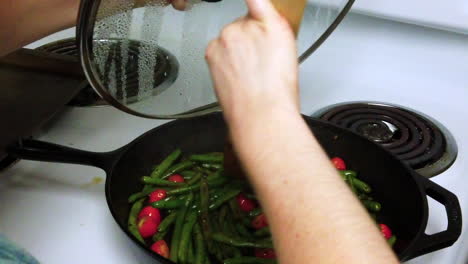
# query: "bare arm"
25,21
313,215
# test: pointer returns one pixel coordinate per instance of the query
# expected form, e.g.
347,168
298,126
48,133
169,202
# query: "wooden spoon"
292,10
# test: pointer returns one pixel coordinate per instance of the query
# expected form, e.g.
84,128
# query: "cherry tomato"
147,227
259,221
157,195
339,163
151,212
176,178
160,247
386,231
267,253
245,204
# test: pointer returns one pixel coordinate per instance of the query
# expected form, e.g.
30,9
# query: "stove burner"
420,142
165,72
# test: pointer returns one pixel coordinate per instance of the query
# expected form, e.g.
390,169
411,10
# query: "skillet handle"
429,243
43,151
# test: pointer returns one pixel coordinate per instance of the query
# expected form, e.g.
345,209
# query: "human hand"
254,64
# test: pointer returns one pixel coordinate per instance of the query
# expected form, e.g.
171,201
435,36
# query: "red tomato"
147,227
151,212
176,178
267,253
245,204
157,195
339,163
259,221
386,231
160,247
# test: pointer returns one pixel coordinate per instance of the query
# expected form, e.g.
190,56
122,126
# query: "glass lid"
147,57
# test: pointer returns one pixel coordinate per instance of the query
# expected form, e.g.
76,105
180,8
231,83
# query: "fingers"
262,10
179,4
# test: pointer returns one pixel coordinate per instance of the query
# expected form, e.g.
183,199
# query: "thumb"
261,10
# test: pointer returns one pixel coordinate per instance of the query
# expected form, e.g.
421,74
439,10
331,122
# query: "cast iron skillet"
402,192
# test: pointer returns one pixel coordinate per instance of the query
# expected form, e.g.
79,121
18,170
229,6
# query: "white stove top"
61,216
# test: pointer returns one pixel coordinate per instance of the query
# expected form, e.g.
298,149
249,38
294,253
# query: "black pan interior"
404,206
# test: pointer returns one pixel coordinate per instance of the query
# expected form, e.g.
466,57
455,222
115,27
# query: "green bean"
166,163
146,191
255,212
348,173
200,250
237,214
372,206
222,216
177,168
242,230
391,241
226,197
249,260
222,238
262,232
212,183
167,222
177,233
205,219
212,166
361,186
349,180
160,235
132,220
251,196
159,182
191,251
186,237
363,196
188,174
195,179
168,204
208,158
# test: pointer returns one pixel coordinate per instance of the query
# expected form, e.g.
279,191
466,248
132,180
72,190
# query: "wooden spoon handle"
292,10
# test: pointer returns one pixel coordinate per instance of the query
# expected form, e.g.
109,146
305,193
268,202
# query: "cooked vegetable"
147,227
224,198
372,206
245,204
266,253
160,247
169,183
391,241
165,164
157,195
339,163
132,219
176,178
211,217
216,157
200,248
177,234
186,236
150,212
259,221
168,204
220,237
178,168
386,231
265,231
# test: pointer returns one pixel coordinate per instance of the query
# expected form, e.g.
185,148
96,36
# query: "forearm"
24,21
313,215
